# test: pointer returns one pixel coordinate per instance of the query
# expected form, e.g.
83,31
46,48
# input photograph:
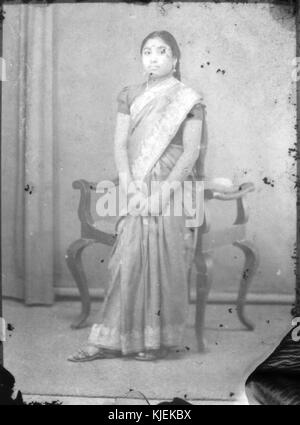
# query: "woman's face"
157,58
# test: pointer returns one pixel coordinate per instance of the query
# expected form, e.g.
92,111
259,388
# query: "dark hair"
171,42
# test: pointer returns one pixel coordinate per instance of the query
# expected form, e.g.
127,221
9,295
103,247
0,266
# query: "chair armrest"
237,195
229,195
93,186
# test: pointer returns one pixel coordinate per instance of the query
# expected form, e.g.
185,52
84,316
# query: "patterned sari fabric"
146,304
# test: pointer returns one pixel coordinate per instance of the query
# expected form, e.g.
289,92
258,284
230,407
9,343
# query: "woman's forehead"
155,42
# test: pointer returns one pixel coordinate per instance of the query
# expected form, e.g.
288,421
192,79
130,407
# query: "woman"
160,128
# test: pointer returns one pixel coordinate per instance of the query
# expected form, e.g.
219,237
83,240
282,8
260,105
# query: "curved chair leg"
250,267
74,262
189,280
204,267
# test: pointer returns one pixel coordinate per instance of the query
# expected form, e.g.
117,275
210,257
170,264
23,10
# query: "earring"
174,69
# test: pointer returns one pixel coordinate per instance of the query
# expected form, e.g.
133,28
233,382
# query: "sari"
146,302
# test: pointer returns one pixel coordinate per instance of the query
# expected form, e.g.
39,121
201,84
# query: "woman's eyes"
162,51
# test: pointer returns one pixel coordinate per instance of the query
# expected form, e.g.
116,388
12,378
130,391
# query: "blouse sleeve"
122,99
196,112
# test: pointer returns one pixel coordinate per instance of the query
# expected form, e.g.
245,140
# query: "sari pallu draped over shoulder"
146,304
156,116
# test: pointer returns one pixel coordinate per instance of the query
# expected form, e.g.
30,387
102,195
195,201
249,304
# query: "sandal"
82,355
151,355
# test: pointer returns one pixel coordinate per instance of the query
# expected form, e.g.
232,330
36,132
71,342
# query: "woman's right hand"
137,203
135,198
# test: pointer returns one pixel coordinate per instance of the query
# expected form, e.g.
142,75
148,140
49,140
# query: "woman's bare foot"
151,355
92,352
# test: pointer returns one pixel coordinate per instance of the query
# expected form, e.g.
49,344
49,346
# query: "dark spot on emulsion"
221,325
268,181
216,343
246,274
295,257
102,261
268,321
187,348
230,310
231,394
221,70
28,188
207,63
297,183
10,327
45,403
158,313
294,152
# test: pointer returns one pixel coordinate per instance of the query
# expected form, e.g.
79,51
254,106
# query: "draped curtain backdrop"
66,64
28,267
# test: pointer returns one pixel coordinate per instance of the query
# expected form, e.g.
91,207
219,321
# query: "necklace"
156,81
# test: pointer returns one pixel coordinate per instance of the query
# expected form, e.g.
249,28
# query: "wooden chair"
207,241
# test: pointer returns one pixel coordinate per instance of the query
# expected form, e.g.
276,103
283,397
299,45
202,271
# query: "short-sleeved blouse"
129,93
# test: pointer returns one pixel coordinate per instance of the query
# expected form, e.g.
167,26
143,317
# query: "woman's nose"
153,59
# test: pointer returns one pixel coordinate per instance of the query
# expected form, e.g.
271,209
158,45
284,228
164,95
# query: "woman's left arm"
191,150
192,131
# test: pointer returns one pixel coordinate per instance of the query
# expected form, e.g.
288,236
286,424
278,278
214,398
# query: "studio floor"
39,340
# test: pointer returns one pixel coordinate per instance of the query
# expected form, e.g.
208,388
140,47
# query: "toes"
88,353
80,354
72,356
